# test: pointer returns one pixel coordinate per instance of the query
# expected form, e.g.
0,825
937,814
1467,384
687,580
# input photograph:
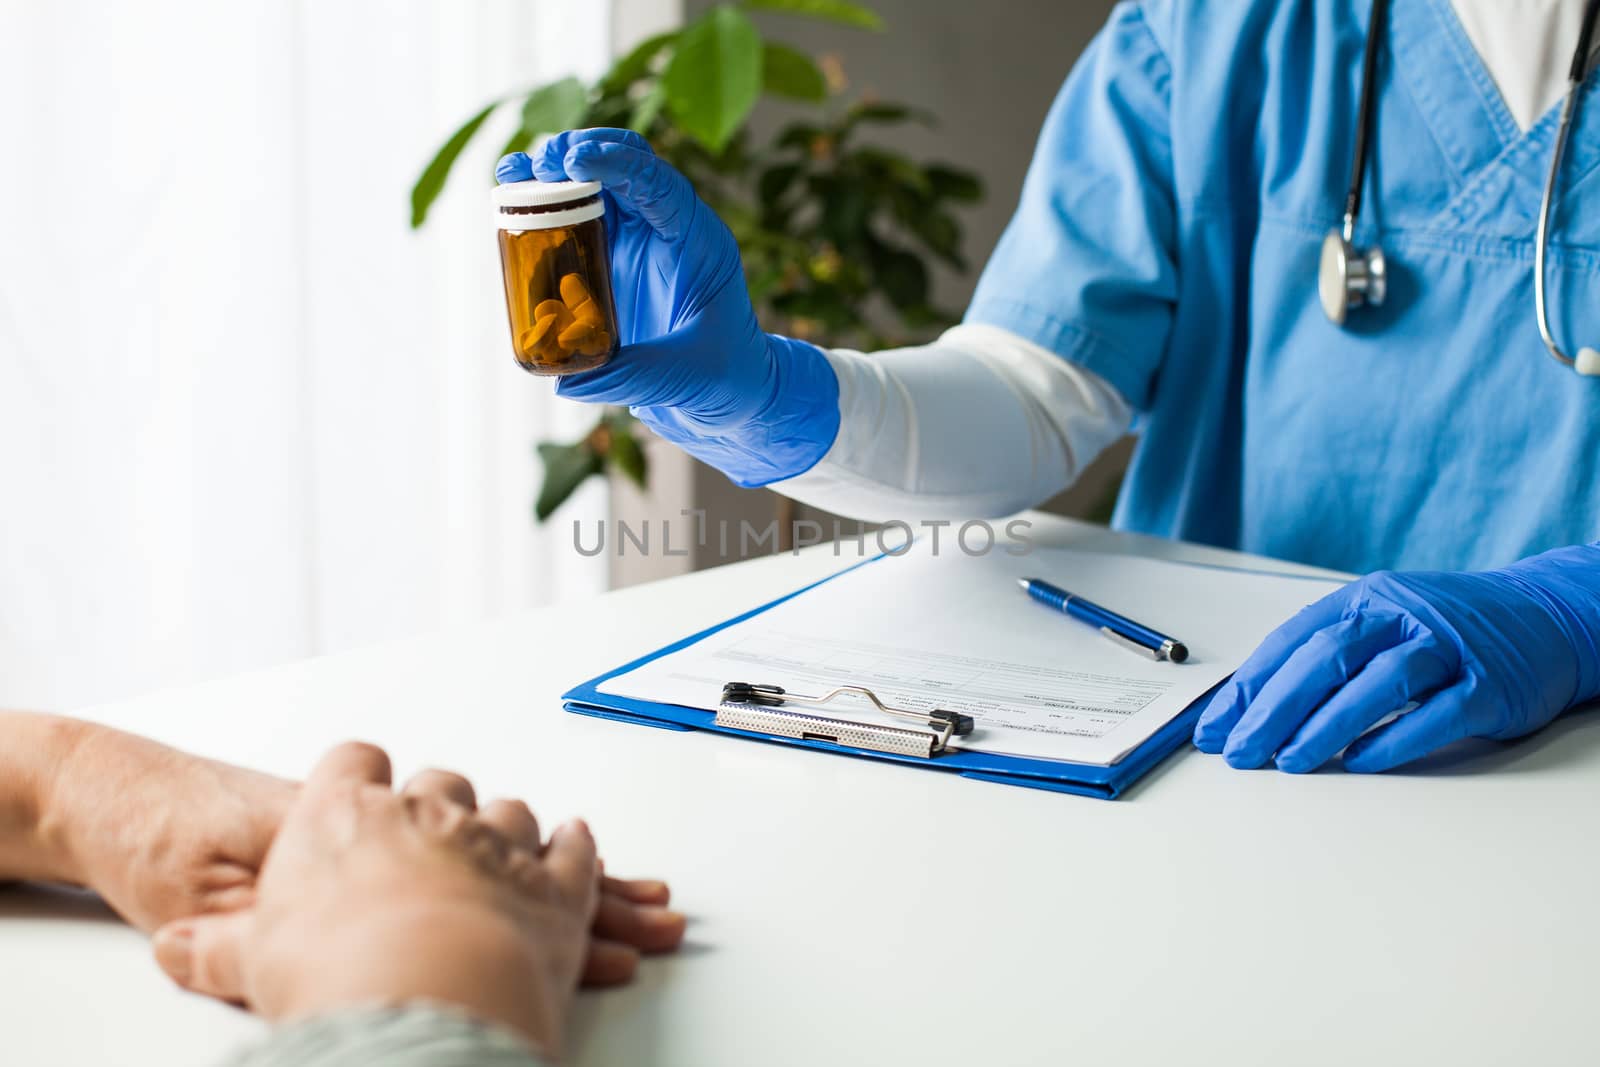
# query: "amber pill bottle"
557,275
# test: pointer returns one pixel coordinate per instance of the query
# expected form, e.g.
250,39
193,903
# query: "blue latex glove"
1495,654
694,365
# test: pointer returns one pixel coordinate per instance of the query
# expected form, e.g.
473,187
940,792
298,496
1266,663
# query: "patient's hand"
164,835
161,834
371,896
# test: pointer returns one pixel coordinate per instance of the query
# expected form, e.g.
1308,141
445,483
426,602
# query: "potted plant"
837,234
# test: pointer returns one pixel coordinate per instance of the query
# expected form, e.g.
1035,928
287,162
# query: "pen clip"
1131,645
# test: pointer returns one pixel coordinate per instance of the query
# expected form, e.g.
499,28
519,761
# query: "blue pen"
1122,630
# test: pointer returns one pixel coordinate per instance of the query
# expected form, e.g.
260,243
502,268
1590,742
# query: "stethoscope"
1351,277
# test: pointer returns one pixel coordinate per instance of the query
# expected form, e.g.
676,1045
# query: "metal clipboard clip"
762,709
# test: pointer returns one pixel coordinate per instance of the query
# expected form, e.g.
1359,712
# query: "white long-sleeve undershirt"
979,423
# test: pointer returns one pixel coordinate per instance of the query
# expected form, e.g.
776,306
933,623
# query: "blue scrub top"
1168,240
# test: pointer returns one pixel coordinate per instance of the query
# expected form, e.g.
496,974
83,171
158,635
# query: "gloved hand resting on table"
694,366
1496,654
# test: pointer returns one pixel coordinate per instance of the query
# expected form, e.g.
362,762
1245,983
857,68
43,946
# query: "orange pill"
598,343
577,335
535,333
573,291
588,312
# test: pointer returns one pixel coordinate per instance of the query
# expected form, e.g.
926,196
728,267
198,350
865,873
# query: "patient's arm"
157,832
32,749
163,835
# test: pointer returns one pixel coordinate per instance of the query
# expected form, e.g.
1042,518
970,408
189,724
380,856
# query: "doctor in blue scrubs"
1336,262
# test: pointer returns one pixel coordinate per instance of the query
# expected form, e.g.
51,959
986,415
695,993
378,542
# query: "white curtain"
246,415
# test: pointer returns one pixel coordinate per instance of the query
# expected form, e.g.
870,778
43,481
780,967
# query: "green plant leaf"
426,191
775,181
762,282
799,135
949,183
554,107
611,109
790,72
519,141
845,208
647,110
941,233
627,455
895,168
850,14
558,106
824,303
903,277
636,64
565,468
714,78
619,419
740,219
886,114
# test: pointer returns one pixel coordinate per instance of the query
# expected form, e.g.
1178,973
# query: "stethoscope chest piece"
1350,277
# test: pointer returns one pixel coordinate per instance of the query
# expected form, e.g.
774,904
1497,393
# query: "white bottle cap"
534,205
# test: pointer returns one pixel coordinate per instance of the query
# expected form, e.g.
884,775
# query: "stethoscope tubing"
1366,117
1541,248
1366,122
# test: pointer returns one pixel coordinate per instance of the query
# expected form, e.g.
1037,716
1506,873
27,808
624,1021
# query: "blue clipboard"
1090,780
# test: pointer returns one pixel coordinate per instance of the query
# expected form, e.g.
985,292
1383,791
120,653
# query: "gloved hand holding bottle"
1494,654
694,365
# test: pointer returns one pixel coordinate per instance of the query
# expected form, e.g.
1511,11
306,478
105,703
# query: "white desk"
848,912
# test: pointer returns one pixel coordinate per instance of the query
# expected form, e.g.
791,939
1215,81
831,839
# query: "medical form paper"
947,630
